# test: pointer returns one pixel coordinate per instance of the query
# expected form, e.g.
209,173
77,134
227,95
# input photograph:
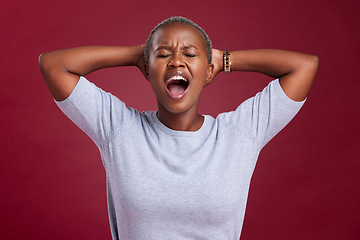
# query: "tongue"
176,89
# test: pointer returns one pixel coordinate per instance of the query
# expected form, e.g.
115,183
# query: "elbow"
310,66
40,58
48,63
313,63
43,61
47,66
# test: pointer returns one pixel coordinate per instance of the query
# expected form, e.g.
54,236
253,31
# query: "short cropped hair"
177,19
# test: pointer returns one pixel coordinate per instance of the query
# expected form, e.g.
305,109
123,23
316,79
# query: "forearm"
84,60
61,69
272,62
295,70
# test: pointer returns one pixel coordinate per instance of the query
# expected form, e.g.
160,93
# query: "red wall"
306,183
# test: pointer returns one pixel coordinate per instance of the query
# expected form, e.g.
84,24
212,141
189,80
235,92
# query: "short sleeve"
98,113
266,114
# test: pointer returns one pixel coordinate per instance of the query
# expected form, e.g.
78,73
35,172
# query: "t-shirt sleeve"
266,114
98,113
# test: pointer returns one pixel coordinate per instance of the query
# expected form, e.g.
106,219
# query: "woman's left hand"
217,61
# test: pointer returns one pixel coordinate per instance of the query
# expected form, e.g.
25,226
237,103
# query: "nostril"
176,63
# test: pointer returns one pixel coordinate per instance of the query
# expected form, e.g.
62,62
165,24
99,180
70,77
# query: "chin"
177,108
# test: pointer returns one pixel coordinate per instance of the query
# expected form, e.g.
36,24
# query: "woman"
176,174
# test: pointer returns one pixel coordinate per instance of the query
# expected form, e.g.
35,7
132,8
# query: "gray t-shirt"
167,184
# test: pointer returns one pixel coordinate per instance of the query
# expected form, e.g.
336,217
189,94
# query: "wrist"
221,61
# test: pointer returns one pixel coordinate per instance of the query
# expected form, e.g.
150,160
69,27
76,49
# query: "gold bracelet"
227,62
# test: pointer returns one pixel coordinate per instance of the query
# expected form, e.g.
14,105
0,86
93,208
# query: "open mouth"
177,86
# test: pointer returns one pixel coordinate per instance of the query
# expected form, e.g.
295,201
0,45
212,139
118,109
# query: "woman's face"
178,67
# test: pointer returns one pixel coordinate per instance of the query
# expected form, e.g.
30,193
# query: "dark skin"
178,47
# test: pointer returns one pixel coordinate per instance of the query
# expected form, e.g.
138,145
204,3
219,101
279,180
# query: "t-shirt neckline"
164,128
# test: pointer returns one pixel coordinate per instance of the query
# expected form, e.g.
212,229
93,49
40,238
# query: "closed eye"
162,55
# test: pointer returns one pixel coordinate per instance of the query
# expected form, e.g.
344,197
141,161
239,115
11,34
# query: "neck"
187,121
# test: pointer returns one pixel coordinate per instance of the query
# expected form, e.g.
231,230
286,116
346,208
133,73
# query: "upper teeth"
178,78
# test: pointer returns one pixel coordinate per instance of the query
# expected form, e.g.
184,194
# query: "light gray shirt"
167,184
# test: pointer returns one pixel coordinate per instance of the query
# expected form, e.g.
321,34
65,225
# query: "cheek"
156,66
155,78
154,71
200,72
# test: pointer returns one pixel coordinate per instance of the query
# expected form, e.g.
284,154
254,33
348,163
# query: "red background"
306,183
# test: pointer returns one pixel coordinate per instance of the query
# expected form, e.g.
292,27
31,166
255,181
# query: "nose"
176,61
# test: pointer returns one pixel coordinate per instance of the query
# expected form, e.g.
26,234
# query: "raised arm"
61,69
296,71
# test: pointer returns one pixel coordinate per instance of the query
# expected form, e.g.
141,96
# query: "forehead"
178,33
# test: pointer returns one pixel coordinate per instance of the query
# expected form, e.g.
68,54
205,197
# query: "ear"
146,72
210,74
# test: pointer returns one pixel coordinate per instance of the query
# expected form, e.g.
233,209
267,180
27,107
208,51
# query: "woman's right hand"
140,63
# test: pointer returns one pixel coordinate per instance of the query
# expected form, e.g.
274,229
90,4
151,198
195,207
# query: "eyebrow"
163,47
169,48
190,46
